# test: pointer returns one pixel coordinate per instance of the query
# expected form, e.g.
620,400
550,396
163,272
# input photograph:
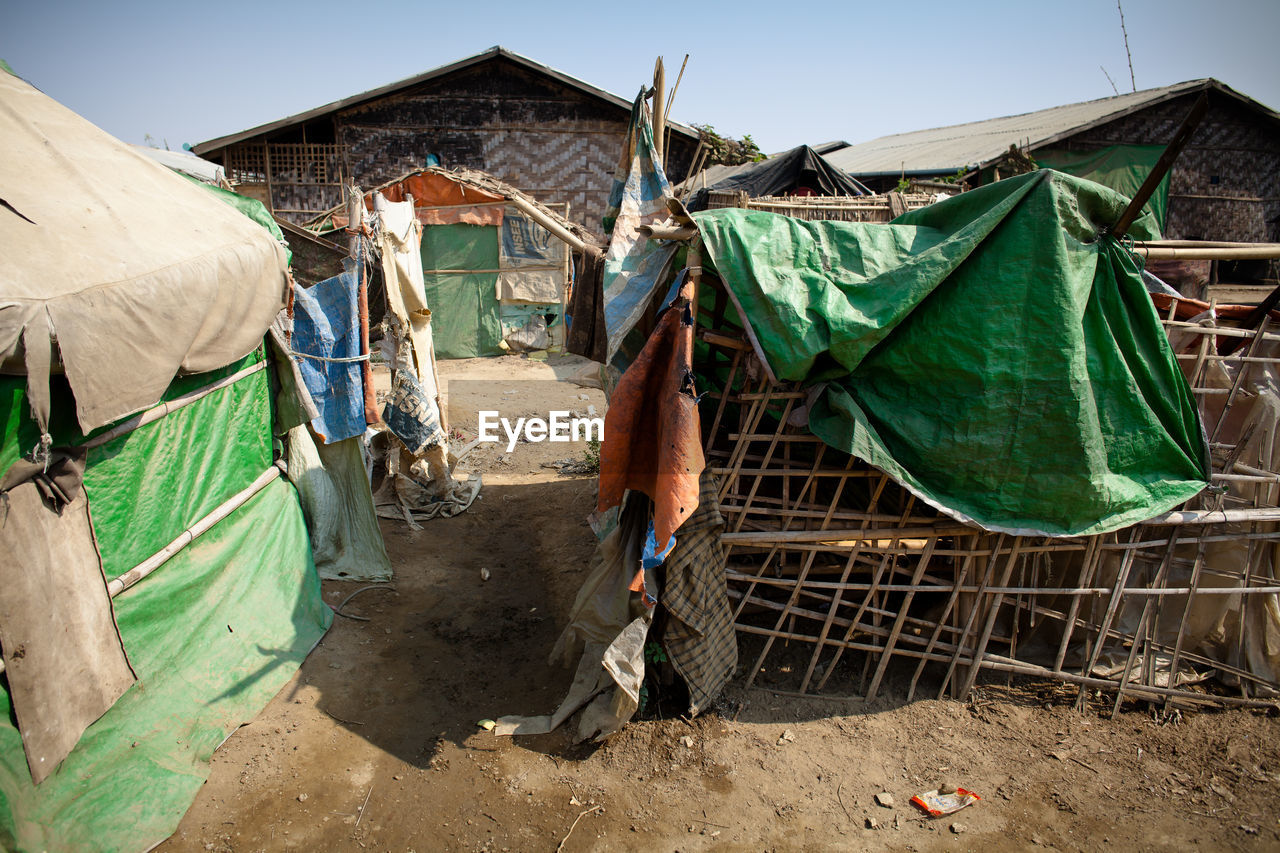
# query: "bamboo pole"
669,232
993,610
548,223
1113,607
988,572
355,248
155,561
1238,382
1258,251
671,98
1197,244
659,112
1161,576
903,609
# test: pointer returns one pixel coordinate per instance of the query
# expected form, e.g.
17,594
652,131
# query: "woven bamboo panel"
1226,183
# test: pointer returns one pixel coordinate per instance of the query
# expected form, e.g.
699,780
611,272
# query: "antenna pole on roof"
1128,55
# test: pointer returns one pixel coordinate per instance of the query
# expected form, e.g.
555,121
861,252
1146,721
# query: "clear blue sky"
786,73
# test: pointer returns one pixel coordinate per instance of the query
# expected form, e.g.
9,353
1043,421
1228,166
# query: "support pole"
355,231
659,112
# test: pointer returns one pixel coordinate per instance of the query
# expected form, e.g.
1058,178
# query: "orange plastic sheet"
437,200
652,440
1188,308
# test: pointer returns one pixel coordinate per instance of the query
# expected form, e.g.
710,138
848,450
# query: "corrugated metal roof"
946,149
372,94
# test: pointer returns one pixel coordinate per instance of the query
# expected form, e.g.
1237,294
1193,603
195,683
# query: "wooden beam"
1163,165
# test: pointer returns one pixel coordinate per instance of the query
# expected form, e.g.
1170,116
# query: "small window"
1213,180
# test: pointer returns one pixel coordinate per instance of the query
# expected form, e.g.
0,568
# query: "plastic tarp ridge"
799,168
250,207
991,352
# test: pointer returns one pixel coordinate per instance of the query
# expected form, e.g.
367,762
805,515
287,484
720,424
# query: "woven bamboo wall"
554,142
1233,144
541,136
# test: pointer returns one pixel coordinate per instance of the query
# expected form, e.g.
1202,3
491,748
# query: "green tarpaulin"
1121,167
990,352
212,634
465,319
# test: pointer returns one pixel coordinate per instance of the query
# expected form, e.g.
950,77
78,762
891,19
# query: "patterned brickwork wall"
1226,183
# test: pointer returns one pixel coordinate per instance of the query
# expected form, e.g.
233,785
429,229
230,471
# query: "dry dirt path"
373,745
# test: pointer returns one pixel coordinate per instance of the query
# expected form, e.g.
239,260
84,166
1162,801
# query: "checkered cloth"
699,636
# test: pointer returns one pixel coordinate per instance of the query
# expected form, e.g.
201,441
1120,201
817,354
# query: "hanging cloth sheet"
532,261
699,636
588,335
652,441
64,661
333,489
326,343
634,264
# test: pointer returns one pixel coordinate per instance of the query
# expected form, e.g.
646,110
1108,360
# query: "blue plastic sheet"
326,345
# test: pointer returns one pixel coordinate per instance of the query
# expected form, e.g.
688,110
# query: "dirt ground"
374,744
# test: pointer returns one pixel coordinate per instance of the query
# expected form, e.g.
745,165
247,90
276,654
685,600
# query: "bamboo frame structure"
875,208
836,573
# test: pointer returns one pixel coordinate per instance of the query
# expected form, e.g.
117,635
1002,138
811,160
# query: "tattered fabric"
635,264
64,662
699,635
588,335
652,442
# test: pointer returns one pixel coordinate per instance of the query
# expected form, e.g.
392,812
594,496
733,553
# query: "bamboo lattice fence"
873,208
834,568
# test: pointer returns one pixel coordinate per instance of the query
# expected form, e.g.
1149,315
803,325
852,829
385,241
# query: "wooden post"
355,230
659,114
666,113
1163,165
266,173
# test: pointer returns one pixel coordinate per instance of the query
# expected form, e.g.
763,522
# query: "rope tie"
345,360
